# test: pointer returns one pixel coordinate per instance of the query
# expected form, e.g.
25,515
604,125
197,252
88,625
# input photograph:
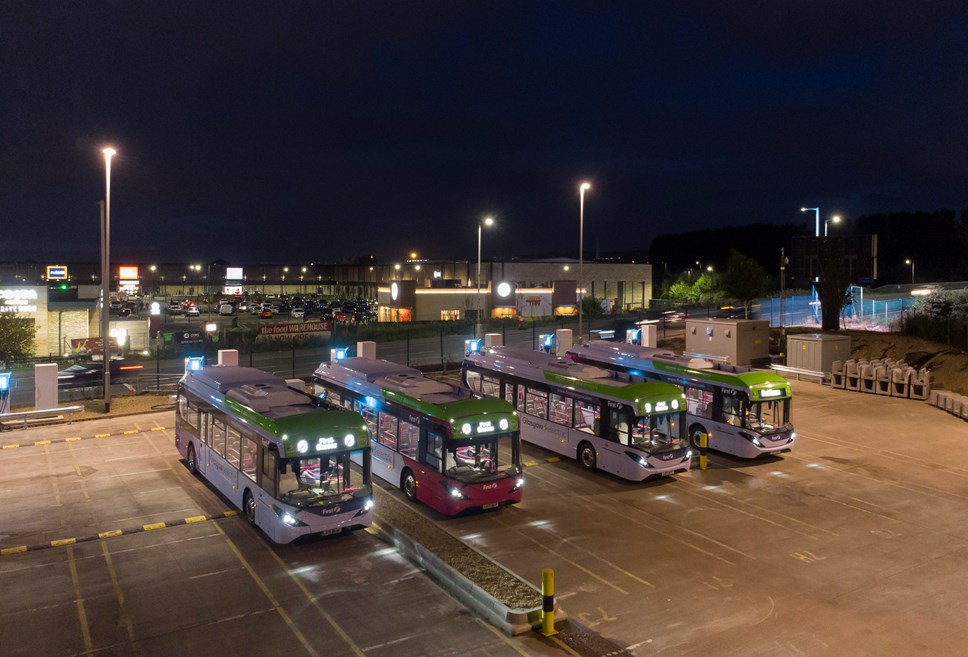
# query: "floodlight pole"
106,277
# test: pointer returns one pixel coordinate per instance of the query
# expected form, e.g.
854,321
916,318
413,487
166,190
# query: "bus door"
202,450
430,488
616,434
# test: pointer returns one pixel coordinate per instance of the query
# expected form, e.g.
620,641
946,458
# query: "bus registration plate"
492,505
328,532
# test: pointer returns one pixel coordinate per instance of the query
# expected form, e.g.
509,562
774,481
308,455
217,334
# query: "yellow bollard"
703,444
548,602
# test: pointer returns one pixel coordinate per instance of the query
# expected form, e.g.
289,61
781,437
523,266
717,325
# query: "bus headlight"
287,517
368,505
689,454
457,494
518,483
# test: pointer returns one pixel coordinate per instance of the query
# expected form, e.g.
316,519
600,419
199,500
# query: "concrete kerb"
511,621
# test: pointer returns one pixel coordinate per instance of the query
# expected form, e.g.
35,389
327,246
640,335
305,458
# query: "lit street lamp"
910,262
817,211
487,221
834,219
584,187
106,276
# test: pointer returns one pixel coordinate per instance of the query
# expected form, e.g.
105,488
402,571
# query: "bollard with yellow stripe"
703,446
548,602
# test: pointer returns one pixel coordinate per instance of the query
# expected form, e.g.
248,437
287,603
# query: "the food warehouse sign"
295,328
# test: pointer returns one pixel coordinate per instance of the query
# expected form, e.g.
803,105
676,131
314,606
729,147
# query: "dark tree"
834,283
744,279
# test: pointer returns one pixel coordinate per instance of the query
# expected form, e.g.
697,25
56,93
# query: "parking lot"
852,544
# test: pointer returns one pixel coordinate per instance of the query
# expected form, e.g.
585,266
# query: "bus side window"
561,410
699,402
474,380
250,460
409,437
537,403
388,431
587,416
233,447
218,437
520,404
509,393
269,471
491,387
370,416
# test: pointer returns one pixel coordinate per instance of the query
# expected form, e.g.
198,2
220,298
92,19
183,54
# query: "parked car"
226,309
298,313
174,307
82,375
192,311
265,313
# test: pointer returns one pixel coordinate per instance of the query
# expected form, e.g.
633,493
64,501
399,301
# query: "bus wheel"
192,464
248,506
408,484
694,432
586,456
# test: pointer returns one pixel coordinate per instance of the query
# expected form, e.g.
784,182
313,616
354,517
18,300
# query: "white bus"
632,430
744,412
438,443
278,453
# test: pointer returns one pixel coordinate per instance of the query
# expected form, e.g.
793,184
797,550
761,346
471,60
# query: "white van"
226,309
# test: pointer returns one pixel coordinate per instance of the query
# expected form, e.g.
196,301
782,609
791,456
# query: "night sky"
318,131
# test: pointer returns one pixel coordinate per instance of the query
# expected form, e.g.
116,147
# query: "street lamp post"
834,219
584,187
817,211
910,262
106,276
487,221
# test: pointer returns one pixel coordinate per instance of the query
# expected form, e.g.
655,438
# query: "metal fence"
805,311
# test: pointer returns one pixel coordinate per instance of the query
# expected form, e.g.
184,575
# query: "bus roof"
662,361
409,388
536,365
266,401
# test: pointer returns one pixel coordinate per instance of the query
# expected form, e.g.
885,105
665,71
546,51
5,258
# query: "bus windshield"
769,416
320,480
481,460
657,433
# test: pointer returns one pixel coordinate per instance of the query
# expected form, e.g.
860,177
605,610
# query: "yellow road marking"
265,590
63,541
154,525
553,459
110,534
122,610
192,519
42,442
518,649
14,550
309,596
131,431
79,601
230,514
10,446
102,435
72,439
157,428
564,646
529,464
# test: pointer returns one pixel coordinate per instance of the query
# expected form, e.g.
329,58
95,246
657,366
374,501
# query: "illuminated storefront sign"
18,300
56,273
128,273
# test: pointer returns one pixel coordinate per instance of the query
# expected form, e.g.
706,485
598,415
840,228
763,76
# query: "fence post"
443,363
